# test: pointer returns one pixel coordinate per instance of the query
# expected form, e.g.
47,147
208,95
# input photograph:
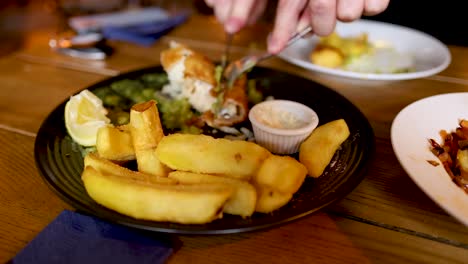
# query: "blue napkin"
76,238
144,33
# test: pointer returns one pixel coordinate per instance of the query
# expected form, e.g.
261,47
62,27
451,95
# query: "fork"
225,56
240,66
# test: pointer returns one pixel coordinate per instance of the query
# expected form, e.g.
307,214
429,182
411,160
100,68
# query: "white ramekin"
282,140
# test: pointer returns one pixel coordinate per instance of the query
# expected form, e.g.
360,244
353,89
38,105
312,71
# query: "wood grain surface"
386,219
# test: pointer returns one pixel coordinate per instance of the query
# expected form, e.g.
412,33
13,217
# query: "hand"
293,15
235,14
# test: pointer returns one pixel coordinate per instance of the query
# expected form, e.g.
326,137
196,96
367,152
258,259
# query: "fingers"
257,10
235,14
322,16
349,10
210,3
222,9
304,21
374,7
287,16
241,10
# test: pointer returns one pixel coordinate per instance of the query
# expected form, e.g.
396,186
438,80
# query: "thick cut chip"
186,204
106,166
115,143
205,154
148,162
146,130
327,57
242,201
282,173
269,200
318,149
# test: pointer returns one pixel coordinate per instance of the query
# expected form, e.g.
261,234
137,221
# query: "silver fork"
225,56
240,66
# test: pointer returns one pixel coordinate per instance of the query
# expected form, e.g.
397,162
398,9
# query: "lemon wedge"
84,115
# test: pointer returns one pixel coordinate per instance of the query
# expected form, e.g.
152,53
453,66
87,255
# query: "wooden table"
386,219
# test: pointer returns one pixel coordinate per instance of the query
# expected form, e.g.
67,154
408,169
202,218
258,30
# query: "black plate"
60,163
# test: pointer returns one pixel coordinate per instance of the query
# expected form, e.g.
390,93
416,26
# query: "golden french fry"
106,166
205,154
318,149
148,162
327,56
242,201
269,199
115,143
186,204
282,173
146,130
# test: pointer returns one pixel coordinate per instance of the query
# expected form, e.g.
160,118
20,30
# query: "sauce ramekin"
282,136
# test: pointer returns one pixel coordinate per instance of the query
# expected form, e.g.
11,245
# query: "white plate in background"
412,128
429,54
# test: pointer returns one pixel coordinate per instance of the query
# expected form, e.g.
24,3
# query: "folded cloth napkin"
144,33
124,17
77,238
141,26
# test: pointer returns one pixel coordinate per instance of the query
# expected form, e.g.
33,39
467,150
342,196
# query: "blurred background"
444,20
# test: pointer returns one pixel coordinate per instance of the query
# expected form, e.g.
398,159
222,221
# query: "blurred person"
293,15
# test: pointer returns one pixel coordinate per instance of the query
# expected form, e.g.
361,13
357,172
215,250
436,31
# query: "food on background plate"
358,54
453,153
318,149
335,51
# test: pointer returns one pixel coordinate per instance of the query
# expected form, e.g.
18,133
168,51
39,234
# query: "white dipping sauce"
278,117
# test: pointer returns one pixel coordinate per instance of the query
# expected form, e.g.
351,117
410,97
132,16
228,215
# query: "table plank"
30,91
27,204
319,238
389,198
36,50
